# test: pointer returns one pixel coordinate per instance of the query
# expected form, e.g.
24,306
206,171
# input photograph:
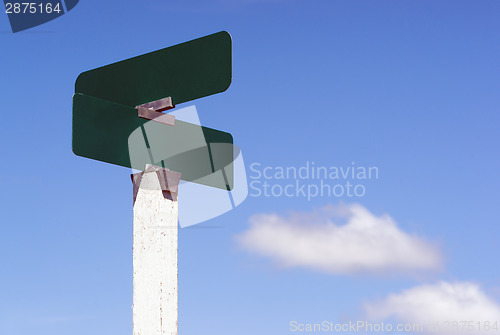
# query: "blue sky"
410,87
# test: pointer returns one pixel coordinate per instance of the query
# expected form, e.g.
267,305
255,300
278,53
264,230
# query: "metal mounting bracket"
169,180
153,111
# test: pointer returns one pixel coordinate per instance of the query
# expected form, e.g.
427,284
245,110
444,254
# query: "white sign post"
155,310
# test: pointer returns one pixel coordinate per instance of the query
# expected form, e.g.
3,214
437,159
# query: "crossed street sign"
117,118
116,109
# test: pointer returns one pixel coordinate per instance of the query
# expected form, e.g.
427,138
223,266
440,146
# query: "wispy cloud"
439,305
339,239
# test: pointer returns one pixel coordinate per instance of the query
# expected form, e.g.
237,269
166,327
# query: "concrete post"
155,310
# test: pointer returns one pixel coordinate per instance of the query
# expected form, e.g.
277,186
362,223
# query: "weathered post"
155,296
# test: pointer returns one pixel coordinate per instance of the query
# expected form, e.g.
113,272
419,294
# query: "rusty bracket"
169,180
153,111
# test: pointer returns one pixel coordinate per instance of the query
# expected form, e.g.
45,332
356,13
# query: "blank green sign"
113,133
184,72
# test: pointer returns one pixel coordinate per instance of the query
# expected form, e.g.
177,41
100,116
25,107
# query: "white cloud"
441,303
363,242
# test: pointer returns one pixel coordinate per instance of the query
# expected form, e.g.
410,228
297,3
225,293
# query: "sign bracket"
153,111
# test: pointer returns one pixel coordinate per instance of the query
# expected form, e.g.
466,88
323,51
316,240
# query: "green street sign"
108,127
184,72
113,133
